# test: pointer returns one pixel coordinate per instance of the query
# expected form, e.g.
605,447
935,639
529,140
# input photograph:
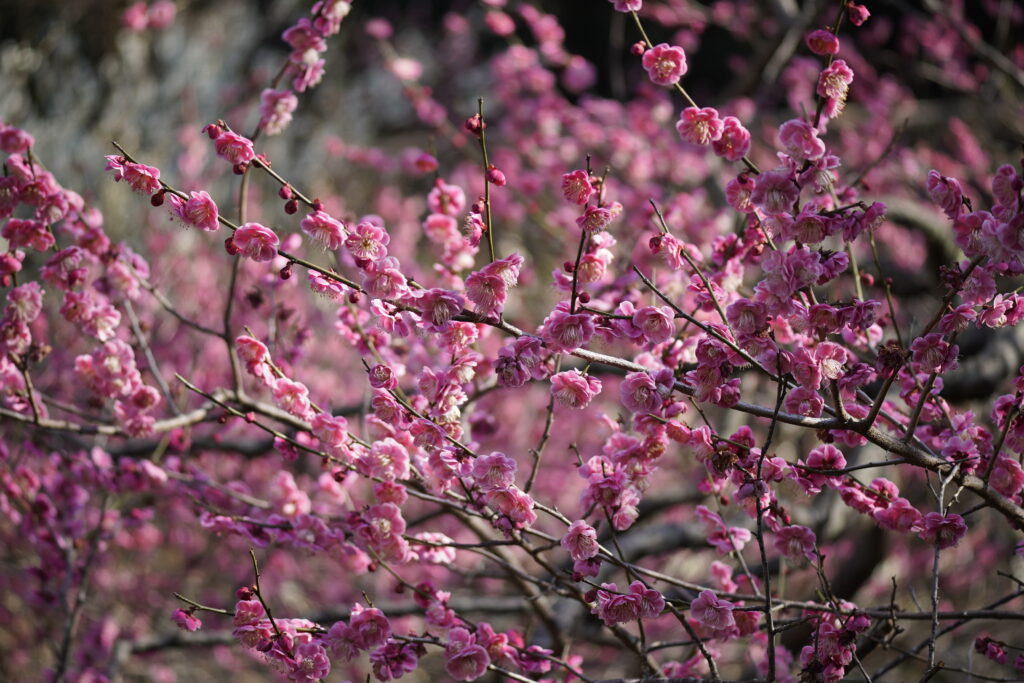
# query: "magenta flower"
594,219
256,242
713,612
387,459
494,471
795,542
700,126
858,13
775,192
324,230
822,42
310,662
614,607
446,199
292,397
932,353
370,625
143,179
649,601
564,331
487,291
576,187
574,389
33,234
198,210
14,140
800,140
946,193
581,541
368,242
657,324
234,148
665,64
467,661
627,5
438,306
640,393
393,660
185,620
944,531
734,142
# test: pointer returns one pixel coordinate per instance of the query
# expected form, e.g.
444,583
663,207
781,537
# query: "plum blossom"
734,142
199,210
234,148
256,242
581,541
713,613
700,126
665,64
574,389
324,230
576,187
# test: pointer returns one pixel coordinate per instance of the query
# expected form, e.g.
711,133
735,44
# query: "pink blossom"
368,242
833,84
615,608
581,541
161,14
564,331
234,148
774,192
946,193
1007,476
494,471
640,393
276,108
256,242
576,187
900,515
515,504
657,324
700,126
665,64
384,280
392,660
649,601
447,199
198,210
627,5
466,661
143,179
734,142
324,230
28,233
858,13
370,626
574,389
713,613
438,306
944,531
932,353
594,219
800,140
796,541
310,662
822,42
14,140
185,620
487,291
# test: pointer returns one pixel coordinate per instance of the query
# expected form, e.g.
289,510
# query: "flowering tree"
592,384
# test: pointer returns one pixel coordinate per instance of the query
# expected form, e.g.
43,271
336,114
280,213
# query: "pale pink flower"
276,108
292,397
594,219
665,64
834,84
324,230
438,306
800,141
574,389
581,541
256,241
494,471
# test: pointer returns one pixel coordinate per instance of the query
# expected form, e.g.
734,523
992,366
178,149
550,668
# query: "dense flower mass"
555,365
